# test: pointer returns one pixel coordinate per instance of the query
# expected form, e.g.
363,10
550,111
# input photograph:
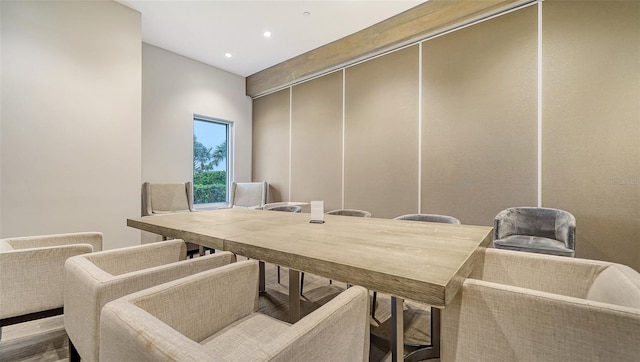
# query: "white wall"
70,119
174,88
0,119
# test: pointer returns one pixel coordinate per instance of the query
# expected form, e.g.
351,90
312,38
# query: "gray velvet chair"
349,212
169,198
339,212
443,219
536,230
248,195
287,208
218,320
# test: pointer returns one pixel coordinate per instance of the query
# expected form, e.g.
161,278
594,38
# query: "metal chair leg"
261,284
373,304
74,356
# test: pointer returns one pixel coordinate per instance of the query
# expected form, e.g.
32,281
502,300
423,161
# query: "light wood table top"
425,262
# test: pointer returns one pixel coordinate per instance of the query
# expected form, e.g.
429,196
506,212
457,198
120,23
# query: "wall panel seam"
344,92
290,138
420,128
539,118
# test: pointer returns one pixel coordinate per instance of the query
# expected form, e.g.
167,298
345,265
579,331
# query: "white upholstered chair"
94,279
248,195
167,323
166,198
31,273
535,307
169,198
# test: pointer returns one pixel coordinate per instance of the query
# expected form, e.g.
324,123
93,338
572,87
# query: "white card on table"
317,212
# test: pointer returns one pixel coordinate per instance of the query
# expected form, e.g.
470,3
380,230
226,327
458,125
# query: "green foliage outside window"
208,186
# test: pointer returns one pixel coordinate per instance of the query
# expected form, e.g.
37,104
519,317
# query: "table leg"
397,329
433,349
294,296
262,284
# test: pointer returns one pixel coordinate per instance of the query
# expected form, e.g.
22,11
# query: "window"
211,161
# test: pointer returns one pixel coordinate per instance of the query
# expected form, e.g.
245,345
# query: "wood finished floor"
45,340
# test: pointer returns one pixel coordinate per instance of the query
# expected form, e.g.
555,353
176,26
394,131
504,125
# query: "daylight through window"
211,174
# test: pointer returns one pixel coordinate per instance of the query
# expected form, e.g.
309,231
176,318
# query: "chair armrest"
143,279
337,331
177,315
227,294
124,336
253,207
130,259
4,246
40,241
31,279
489,321
562,275
88,288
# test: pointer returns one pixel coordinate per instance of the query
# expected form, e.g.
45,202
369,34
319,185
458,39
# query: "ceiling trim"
423,21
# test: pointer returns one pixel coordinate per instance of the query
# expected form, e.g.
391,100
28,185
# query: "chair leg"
278,274
261,284
301,282
373,305
74,356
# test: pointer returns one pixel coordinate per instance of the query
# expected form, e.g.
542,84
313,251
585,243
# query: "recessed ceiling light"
228,55
267,34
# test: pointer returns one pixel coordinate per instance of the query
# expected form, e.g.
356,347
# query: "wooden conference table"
424,262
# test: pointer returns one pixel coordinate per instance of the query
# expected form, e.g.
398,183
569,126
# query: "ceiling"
207,29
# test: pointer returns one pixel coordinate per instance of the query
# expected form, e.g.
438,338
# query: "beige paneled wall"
591,123
475,147
316,141
271,129
479,121
381,134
